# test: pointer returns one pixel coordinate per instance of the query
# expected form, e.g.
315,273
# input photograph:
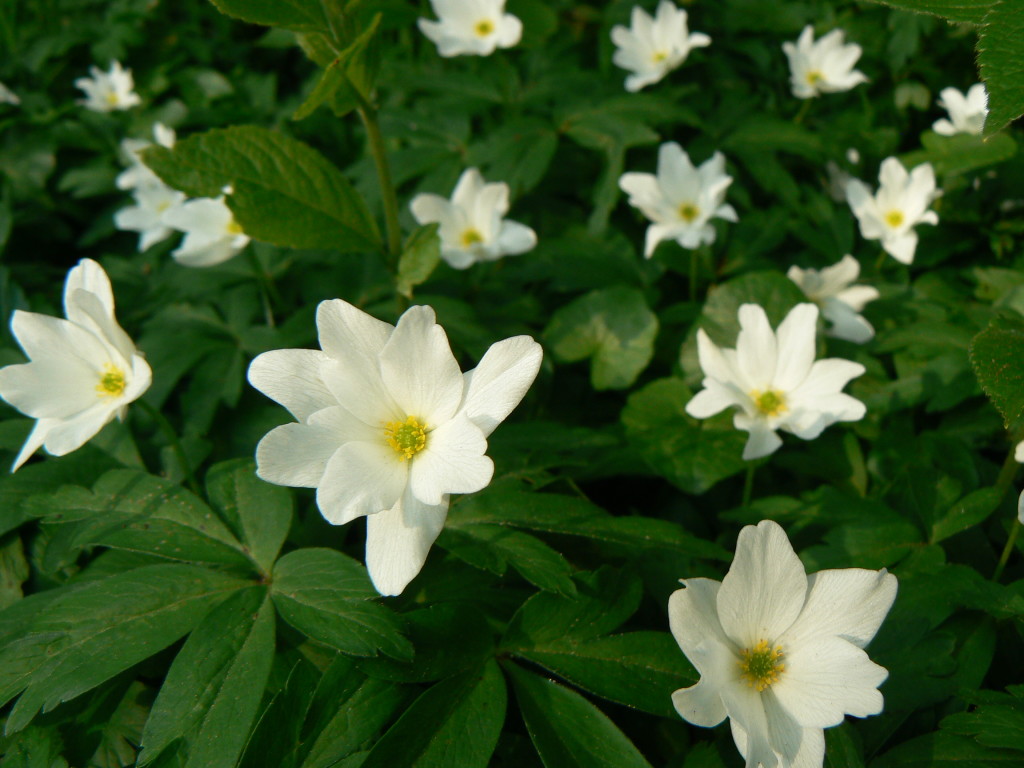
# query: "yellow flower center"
770,402
112,381
659,57
234,228
471,237
894,218
484,28
688,212
407,437
761,666
112,98
814,77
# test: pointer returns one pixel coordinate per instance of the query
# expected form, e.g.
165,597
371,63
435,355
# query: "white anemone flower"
823,66
212,236
474,27
967,112
650,48
109,91
774,380
82,371
7,96
840,301
472,225
388,426
137,174
900,204
680,200
148,217
780,653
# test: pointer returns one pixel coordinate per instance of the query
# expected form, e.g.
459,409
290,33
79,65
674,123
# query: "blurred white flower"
681,200
7,96
840,301
774,380
825,66
967,113
650,48
780,653
82,371
148,217
474,27
1018,452
901,203
137,174
212,235
388,426
472,227
109,91
1020,502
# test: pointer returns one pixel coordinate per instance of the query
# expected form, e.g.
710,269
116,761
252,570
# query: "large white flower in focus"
388,426
472,224
650,48
774,381
840,301
680,200
82,371
780,653
822,66
474,27
967,112
900,204
109,91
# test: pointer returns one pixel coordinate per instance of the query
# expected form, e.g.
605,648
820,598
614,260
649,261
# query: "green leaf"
614,327
421,255
946,750
314,205
34,747
343,73
455,723
970,11
260,512
998,724
518,152
14,570
84,634
327,596
213,689
997,356
693,454
963,153
1001,60
567,730
123,730
298,15
775,292
972,509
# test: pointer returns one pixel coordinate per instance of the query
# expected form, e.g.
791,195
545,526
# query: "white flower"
780,653
1020,502
967,112
137,174
82,371
212,235
109,91
471,225
148,217
388,426
901,203
825,66
652,47
774,380
7,96
471,27
1018,452
681,200
840,302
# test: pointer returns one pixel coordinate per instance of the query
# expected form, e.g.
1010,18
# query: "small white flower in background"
774,380
7,96
137,174
650,48
900,204
212,235
681,200
473,27
388,426
780,653
823,66
472,228
1018,452
109,91
967,113
153,204
1020,506
840,301
82,371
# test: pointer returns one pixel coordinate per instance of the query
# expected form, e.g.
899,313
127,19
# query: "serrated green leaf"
970,11
997,356
314,205
298,15
420,256
328,596
342,73
963,153
457,722
1001,60
123,731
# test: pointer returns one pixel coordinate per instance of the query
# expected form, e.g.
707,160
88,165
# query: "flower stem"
804,109
387,189
1010,542
266,287
1006,475
748,486
694,268
172,437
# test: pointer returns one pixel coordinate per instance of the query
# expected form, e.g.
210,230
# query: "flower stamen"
407,437
659,56
112,381
234,228
688,212
894,218
770,402
484,28
761,666
814,77
471,237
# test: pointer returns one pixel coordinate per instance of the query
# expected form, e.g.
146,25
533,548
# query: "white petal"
746,709
398,540
50,387
93,315
713,362
515,238
849,603
346,332
90,277
796,347
763,440
71,434
292,377
1018,453
826,377
510,30
453,461
428,208
756,348
295,455
42,336
710,401
361,479
34,441
497,385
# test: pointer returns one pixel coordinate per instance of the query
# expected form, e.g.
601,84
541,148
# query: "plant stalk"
748,485
172,437
1006,475
387,189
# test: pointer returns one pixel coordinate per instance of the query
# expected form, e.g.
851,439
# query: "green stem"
172,437
387,188
804,109
694,267
266,287
1010,542
1006,475
748,486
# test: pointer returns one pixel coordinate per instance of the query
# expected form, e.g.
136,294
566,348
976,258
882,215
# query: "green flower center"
407,437
688,212
471,237
770,402
761,666
112,381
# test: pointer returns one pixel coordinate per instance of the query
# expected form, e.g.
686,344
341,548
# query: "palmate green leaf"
420,256
614,327
314,205
997,356
213,689
123,730
455,723
1001,60
775,292
34,747
567,730
84,634
277,735
997,723
327,595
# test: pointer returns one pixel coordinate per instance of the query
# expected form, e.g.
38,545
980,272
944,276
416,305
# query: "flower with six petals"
840,301
650,48
822,66
109,91
474,27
